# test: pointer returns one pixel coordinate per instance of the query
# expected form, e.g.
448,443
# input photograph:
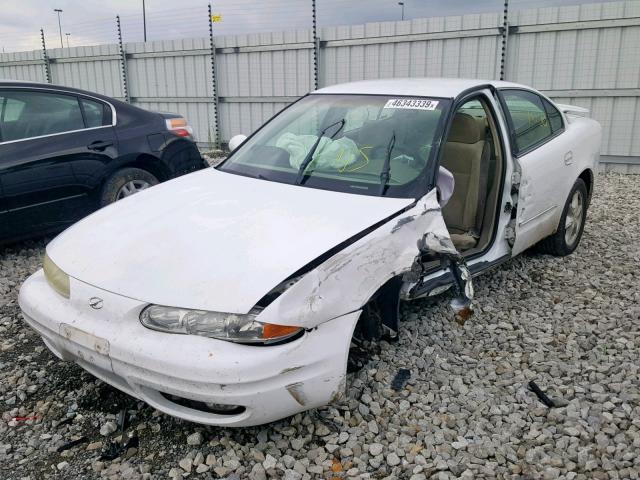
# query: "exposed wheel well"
380,312
587,178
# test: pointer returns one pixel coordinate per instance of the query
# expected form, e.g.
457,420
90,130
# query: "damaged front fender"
347,280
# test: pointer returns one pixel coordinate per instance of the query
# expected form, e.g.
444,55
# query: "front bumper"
270,382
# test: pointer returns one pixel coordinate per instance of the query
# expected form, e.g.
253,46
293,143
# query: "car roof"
423,87
60,88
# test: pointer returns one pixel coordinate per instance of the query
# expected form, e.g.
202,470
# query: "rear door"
4,220
43,134
536,129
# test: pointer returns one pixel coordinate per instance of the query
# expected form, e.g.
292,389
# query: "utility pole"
59,11
402,5
68,35
123,62
316,45
214,84
144,20
505,41
45,58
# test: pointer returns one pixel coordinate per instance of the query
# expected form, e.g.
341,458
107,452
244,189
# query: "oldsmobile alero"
232,296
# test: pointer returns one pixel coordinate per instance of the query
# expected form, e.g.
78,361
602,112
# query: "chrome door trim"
524,222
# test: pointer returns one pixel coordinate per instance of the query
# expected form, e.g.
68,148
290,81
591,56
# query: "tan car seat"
463,156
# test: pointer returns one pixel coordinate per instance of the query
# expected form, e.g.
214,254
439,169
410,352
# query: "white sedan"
232,296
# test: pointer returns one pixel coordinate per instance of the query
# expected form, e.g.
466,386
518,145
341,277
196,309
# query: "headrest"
466,129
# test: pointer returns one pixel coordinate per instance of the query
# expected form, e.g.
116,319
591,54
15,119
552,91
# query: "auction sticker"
412,103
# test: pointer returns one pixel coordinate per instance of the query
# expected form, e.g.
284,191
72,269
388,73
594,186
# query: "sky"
91,22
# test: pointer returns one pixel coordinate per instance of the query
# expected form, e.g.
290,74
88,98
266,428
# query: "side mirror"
236,141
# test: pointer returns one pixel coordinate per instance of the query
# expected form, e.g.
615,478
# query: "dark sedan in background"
65,153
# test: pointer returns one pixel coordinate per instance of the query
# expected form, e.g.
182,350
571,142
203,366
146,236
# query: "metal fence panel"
587,55
27,66
96,69
173,76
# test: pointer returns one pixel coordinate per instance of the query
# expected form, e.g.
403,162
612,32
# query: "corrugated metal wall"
260,74
587,55
96,69
461,46
174,76
23,66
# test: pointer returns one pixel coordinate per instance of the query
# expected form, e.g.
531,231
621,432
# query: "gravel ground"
571,324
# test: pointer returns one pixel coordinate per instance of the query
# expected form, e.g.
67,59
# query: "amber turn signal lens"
272,331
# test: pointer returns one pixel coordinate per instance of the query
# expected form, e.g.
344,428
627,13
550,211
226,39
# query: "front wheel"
567,237
124,183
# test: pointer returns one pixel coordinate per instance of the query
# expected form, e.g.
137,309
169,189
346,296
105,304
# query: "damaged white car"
232,296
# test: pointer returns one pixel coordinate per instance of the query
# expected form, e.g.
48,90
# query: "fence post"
505,40
123,62
316,46
216,124
45,58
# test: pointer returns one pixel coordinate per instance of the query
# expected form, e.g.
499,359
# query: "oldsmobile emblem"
95,303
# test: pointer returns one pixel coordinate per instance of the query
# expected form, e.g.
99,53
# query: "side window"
10,111
28,114
96,114
530,122
555,119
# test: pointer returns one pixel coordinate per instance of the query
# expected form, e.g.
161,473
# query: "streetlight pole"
144,20
59,11
402,5
68,35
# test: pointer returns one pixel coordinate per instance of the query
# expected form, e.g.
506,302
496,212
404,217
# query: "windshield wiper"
307,160
385,174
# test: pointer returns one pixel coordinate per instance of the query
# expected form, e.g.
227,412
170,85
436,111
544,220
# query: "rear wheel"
567,237
124,183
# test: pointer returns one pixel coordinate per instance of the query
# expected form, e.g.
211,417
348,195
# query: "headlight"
223,326
58,280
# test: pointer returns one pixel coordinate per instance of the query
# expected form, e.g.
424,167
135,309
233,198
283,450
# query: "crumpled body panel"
346,281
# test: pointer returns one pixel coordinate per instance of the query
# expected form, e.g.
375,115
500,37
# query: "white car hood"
211,240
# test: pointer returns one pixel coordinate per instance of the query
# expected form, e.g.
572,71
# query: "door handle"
568,158
99,145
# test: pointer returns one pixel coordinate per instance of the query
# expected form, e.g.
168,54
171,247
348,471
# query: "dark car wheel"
124,183
567,237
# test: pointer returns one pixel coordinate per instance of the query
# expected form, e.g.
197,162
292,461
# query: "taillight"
179,126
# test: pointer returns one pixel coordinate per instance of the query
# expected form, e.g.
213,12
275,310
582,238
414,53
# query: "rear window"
96,114
530,123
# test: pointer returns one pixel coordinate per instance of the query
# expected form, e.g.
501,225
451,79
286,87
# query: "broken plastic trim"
355,270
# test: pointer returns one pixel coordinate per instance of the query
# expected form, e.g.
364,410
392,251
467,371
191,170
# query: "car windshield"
367,144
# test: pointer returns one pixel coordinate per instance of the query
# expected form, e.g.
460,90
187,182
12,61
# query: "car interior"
474,158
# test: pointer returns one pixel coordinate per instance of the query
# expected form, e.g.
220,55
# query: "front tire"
125,183
567,237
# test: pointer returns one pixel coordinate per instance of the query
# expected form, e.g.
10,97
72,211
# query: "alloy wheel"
131,188
573,221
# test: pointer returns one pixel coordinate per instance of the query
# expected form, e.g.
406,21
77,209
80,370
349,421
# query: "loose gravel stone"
108,428
195,439
570,324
